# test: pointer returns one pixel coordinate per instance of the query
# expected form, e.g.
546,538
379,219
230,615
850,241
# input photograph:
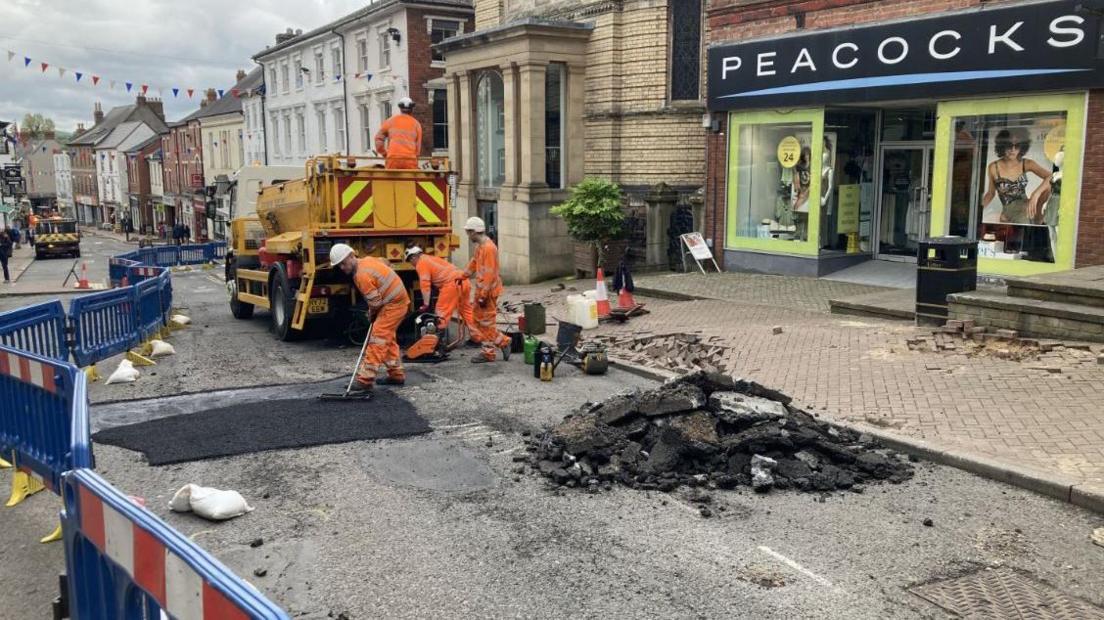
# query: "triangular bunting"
78,74
45,66
145,87
220,91
129,85
26,61
234,91
176,91
11,55
111,85
190,91
95,80
61,72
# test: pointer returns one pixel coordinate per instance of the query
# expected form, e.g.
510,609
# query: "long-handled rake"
348,395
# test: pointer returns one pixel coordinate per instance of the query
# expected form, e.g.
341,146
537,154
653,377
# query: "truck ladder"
302,300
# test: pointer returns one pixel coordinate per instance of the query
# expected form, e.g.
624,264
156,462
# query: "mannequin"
827,176
1053,203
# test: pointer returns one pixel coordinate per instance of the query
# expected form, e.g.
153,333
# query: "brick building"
548,92
849,130
139,194
184,200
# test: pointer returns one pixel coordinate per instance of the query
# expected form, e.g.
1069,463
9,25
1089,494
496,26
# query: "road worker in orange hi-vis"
487,285
388,305
453,295
399,139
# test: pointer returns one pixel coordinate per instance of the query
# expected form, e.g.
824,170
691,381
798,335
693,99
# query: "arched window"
490,130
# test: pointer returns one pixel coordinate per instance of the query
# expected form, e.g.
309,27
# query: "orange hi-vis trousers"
453,298
383,346
486,321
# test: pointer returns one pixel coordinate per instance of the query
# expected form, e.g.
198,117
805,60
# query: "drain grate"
1005,594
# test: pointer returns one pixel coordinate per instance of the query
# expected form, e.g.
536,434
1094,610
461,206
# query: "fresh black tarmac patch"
266,425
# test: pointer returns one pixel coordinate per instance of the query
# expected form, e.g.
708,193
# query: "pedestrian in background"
5,253
15,234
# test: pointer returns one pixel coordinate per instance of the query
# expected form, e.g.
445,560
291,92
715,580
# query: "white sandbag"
209,503
161,348
125,373
180,319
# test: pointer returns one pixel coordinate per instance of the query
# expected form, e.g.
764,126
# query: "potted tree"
595,220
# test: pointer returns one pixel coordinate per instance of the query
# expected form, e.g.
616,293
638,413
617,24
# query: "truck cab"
56,236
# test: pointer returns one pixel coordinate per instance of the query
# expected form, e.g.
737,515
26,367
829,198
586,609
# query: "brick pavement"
863,370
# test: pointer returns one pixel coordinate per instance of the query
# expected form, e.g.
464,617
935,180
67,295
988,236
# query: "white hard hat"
339,252
476,224
406,103
412,250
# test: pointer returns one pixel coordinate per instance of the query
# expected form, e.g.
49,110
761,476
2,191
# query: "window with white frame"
321,116
554,103
339,127
287,133
285,85
366,145
319,66
385,50
272,84
439,30
385,109
301,130
224,147
338,65
298,73
362,55
440,119
275,122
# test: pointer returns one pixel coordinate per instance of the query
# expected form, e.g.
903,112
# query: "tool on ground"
348,395
593,358
430,347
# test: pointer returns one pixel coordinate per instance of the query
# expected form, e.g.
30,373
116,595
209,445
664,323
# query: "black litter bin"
944,265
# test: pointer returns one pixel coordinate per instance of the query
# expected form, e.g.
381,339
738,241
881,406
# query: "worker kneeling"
453,295
388,305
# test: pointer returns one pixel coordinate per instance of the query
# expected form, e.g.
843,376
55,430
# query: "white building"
328,90
63,180
111,167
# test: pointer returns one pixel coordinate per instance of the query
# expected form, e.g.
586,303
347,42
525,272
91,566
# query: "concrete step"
1030,317
896,304
1084,287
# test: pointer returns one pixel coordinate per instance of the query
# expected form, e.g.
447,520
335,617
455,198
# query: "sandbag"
125,373
161,348
180,319
213,504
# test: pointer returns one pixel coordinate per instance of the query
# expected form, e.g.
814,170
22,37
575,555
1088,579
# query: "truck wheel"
282,303
239,308
39,254
76,254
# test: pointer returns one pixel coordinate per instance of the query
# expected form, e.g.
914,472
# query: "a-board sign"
696,244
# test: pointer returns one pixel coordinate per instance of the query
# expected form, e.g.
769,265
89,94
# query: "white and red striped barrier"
28,370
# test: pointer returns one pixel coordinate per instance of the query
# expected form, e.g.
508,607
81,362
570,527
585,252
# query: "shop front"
854,144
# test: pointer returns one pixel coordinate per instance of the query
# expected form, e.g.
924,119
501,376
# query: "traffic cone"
601,296
83,281
625,299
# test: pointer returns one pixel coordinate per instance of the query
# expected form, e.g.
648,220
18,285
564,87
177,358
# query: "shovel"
348,395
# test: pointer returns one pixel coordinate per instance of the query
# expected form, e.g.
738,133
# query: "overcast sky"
162,43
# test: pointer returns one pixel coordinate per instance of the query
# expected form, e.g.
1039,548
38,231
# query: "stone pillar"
532,108
575,130
661,201
457,130
462,142
510,100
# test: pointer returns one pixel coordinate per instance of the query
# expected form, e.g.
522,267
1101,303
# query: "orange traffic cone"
82,282
625,299
601,296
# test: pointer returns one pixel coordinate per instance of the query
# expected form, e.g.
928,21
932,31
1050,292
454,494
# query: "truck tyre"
282,304
39,254
76,254
238,308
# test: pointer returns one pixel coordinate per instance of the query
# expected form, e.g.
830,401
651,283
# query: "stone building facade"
630,80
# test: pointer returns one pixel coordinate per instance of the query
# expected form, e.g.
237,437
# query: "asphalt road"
442,526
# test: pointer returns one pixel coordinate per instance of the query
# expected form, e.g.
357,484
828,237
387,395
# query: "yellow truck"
278,258
54,236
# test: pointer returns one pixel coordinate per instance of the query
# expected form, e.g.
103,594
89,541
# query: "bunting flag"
176,91
26,61
220,93
190,91
78,74
45,66
11,55
235,92
61,72
95,80
111,85
129,85
144,88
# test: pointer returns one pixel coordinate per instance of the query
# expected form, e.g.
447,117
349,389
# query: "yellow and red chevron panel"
432,203
357,205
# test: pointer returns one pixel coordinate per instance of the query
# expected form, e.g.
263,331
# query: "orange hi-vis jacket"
436,271
399,139
484,270
379,283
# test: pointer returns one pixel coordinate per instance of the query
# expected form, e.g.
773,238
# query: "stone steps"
1037,318
1082,287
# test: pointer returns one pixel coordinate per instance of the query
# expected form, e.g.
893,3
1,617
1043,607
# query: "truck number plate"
318,305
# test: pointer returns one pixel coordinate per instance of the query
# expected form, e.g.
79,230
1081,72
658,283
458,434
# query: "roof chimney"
287,35
240,76
211,95
157,107
97,114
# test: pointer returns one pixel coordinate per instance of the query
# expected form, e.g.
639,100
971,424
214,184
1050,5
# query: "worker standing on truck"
453,294
483,270
399,138
388,304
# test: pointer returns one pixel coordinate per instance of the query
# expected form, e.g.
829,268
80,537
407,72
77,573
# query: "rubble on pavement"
682,352
708,429
965,338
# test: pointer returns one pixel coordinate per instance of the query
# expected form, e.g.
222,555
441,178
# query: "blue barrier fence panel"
117,268
124,562
36,419
194,254
104,324
167,256
166,295
39,329
150,316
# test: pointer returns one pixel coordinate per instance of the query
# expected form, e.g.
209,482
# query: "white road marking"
799,568
469,424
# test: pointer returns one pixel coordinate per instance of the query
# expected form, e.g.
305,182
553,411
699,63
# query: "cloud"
196,44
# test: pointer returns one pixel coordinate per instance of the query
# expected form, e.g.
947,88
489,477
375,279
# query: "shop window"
490,130
1006,183
847,180
908,124
553,125
440,119
686,26
776,181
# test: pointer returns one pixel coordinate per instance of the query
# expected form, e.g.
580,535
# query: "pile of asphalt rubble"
708,429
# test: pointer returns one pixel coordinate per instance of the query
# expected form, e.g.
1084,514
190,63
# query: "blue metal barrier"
117,268
150,316
215,250
166,256
139,273
195,254
165,280
42,420
104,324
39,329
124,562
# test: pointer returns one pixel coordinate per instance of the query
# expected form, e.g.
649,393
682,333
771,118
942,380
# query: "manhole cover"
1005,594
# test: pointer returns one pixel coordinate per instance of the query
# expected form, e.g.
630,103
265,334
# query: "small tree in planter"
593,214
